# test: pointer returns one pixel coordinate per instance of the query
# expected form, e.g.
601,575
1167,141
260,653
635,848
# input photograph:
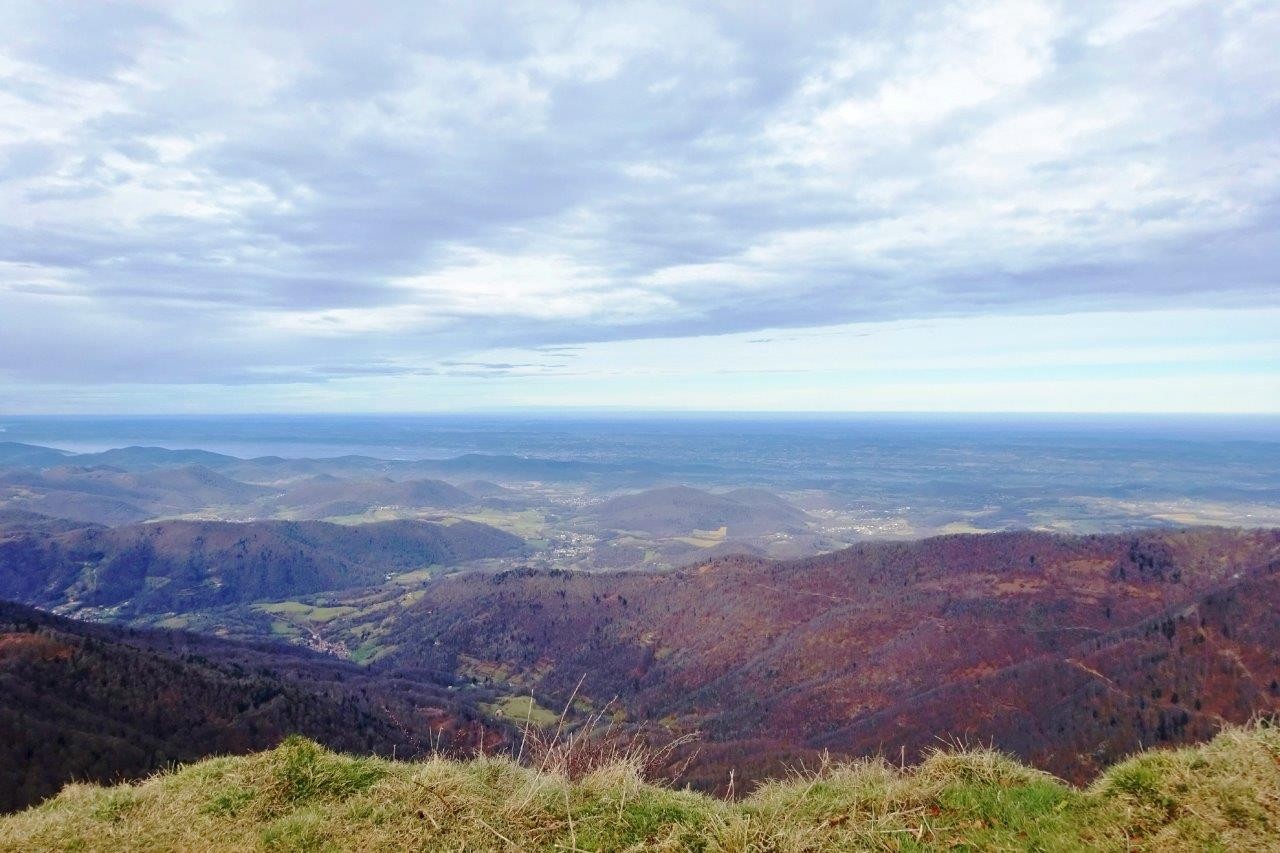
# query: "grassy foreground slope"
1223,795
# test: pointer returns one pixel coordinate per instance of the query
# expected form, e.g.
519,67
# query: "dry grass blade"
598,743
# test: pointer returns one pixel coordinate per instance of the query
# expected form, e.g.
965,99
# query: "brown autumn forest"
1067,651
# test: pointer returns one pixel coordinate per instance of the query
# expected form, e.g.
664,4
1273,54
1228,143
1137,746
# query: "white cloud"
549,286
871,97
1132,18
400,187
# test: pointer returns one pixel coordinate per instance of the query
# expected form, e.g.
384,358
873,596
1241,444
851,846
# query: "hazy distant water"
612,437
1024,466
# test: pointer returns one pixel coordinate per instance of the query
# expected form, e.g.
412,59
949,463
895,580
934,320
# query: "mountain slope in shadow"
103,703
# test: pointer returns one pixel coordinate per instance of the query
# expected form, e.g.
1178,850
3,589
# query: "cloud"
241,193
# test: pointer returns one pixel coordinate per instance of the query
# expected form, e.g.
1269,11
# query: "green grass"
1224,795
309,612
521,708
288,608
417,576
526,523
704,538
365,652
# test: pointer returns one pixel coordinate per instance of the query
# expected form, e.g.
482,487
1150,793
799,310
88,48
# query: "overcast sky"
400,207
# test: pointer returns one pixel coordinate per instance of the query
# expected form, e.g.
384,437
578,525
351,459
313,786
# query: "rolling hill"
17,454
108,495
137,458
325,496
679,510
276,469
183,565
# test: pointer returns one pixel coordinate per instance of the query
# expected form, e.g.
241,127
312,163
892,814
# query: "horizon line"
650,412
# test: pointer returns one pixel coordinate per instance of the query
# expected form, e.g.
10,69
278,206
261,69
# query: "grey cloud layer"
297,193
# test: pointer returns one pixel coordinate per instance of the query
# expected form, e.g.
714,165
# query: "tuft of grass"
1223,795
305,771
115,805
229,801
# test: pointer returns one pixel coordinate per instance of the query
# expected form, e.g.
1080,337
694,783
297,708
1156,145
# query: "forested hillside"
102,703
1068,651
177,565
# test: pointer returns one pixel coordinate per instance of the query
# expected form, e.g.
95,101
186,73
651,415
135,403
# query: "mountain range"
673,610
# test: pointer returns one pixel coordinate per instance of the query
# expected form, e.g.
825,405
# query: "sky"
951,206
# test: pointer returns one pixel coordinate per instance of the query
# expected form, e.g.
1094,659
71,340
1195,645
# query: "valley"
1067,651
757,627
